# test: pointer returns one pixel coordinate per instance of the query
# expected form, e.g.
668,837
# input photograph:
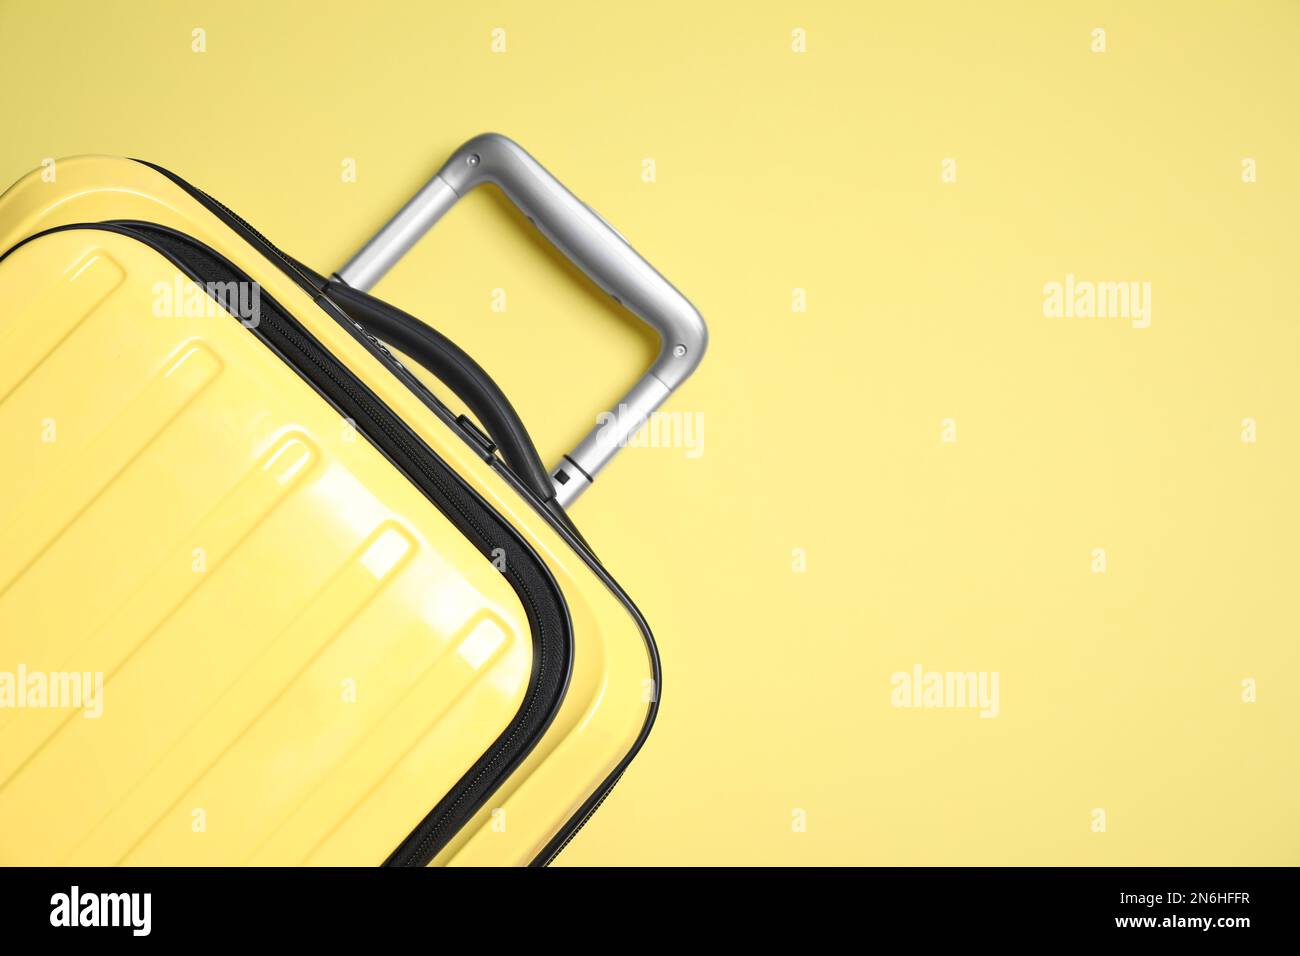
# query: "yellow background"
778,170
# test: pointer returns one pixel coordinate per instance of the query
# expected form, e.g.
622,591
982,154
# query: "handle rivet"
472,159
679,350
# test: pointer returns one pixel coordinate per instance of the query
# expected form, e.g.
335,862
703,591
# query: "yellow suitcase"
264,599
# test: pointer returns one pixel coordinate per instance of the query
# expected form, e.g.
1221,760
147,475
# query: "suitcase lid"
257,641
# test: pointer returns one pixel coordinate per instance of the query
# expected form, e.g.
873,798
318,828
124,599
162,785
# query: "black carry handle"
452,366
447,362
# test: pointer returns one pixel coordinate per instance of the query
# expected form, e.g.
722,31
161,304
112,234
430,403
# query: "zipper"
579,822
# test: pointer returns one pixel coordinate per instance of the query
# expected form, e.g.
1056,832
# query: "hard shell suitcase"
264,599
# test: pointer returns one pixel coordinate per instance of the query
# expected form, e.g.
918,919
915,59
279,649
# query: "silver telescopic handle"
593,246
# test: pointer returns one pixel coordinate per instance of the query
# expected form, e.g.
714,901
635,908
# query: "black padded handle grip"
451,365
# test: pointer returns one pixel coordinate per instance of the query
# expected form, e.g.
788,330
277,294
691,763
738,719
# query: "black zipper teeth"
608,789
325,363
286,265
248,227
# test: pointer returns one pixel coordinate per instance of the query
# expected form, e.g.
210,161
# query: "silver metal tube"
591,244
611,434
401,232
